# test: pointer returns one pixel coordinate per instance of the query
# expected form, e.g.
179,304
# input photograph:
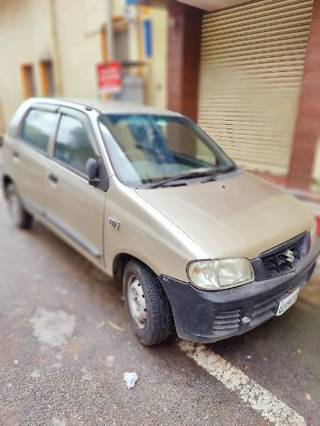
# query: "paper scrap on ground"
130,379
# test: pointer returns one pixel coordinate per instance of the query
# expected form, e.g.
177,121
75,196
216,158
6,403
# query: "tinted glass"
149,148
38,128
72,145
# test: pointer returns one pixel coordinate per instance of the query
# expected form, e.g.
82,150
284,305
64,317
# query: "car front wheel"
147,306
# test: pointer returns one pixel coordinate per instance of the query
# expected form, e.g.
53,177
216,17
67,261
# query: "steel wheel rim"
136,302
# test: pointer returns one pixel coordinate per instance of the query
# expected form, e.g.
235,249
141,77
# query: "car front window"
146,149
72,145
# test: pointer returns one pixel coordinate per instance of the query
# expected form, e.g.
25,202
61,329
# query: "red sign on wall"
109,77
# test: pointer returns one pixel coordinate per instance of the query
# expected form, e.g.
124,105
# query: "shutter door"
252,59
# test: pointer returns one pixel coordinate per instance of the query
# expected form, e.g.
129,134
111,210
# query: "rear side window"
38,127
72,146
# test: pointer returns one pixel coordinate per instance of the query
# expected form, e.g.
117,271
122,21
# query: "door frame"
21,144
76,241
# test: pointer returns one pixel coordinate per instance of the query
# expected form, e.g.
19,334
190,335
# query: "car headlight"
220,274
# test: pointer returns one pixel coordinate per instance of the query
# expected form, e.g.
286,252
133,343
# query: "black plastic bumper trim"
207,317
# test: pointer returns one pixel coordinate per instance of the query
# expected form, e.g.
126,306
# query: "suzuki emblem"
290,256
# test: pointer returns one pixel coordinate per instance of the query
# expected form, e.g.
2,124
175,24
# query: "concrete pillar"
184,43
307,130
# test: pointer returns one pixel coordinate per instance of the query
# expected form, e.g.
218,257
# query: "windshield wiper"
185,175
218,172
228,169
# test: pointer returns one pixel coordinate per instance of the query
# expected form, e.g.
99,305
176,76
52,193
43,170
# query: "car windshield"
146,149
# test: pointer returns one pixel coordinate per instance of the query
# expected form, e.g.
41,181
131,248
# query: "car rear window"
38,127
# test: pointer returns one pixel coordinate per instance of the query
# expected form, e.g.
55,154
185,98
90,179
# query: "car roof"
108,107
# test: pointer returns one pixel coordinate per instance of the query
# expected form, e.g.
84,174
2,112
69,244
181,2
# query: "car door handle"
15,155
53,178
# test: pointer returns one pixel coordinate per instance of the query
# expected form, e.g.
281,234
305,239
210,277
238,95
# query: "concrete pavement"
65,344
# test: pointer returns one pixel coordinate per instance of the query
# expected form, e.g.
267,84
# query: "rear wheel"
147,306
18,214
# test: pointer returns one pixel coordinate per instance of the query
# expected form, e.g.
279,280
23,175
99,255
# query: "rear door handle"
15,155
53,178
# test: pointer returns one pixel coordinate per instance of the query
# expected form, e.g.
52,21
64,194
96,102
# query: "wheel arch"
120,261
6,181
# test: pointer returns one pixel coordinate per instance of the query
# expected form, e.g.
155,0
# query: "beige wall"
68,33
24,39
156,70
79,45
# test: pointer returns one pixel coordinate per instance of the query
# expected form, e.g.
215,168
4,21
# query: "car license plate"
287,302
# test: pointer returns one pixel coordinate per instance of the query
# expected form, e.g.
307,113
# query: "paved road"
65,344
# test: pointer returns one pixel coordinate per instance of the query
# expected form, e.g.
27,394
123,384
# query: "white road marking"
258,398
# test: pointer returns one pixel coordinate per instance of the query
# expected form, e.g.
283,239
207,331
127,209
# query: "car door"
75,208
30,156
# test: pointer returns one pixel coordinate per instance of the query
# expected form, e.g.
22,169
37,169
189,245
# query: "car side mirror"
92,167
97,174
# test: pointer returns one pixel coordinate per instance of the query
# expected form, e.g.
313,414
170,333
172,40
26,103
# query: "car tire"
150,314
18,214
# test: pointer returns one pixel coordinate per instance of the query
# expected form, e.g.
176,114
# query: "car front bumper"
206,317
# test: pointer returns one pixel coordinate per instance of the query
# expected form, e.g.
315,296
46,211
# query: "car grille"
283,259
227,320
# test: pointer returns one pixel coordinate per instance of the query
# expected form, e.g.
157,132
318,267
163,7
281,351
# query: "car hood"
239,216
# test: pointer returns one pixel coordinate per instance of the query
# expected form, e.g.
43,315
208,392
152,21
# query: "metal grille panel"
252,61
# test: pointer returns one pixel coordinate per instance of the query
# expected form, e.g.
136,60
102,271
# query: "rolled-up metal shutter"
252,61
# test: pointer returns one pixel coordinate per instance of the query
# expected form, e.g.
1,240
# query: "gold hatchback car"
200,246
